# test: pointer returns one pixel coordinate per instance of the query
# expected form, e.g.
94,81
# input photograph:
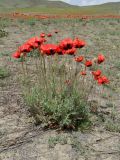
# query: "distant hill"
57,7
111,3
31,3
106,8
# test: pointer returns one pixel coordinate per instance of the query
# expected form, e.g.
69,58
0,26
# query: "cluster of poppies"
101,79
31,44
67,46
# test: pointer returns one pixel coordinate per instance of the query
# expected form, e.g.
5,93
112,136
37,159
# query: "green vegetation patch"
3,33
4,73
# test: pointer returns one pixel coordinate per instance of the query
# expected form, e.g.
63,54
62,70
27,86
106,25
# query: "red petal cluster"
42,35
48,49
100,79
100,58
71,51
17,54
49,35
103,80
78,43
59,51
66,44
35,42
25,48
30,44
96,74
79,59
88,63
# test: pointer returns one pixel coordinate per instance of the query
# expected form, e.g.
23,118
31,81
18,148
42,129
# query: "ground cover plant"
64,79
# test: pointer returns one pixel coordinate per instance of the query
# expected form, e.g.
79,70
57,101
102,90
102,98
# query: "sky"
88,2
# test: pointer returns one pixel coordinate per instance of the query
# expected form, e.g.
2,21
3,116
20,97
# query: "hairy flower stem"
39,70
45,74
26,68
53,72
23,69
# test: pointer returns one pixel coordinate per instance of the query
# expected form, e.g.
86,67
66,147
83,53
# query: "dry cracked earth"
20,139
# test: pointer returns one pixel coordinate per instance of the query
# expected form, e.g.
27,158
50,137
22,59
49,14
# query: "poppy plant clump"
64,78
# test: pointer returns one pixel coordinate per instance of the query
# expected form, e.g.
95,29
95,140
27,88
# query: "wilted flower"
56,31
83,73
68,82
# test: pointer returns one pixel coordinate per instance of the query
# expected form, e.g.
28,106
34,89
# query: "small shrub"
4,22
52,141
112,126
3,33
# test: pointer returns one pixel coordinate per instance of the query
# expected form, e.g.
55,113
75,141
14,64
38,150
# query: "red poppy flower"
78,43
48,49
79,59
70,51
60,51
17,54
96,73
83,73
49,35
25,48
66,44
35,42
88,63
103,80
101,58
42,35
39,40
